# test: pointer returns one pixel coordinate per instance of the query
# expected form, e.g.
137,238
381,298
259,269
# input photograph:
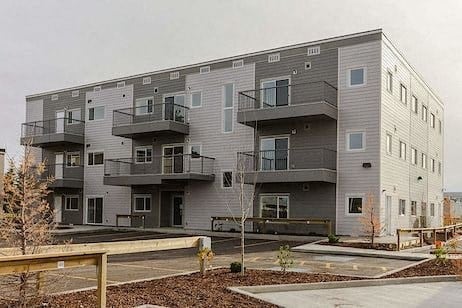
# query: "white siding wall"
34,112
399,178
98,135
203,200
358,110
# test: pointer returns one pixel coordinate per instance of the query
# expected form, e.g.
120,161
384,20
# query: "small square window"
307,65
174,75
196,99
275,57
357,77
355,205
204,70
142,203
355,141
195,151
227,179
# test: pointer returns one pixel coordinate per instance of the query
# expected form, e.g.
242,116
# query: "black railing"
63,171
285,95
288,159
151,113
53,126
166,164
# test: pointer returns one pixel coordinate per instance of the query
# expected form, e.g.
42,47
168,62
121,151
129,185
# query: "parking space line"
135,237
225,240
81,278
104,234
147,267
256,244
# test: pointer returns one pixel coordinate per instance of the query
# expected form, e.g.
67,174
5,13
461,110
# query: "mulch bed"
377,246
431,268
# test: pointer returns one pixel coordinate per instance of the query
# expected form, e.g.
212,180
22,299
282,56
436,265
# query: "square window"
355,205
196,99
357,77
355,141
72,203
195,151
227,179
143,155
95,158
73,159
142,203
96,113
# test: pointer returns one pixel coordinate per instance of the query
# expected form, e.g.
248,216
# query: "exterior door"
177,210
173,159
59,165
60,118
58,208
388,205
95,210
274,153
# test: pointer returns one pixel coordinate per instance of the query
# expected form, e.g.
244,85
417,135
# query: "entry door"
173,159
60,115
177,210
274,153
59,165
95,210
58,205
388,205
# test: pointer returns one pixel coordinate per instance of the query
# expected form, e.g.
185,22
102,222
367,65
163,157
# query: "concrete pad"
422,295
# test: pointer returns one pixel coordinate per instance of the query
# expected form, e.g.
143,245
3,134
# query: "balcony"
150,120
286,102
289,165
158,170
65,176
53,132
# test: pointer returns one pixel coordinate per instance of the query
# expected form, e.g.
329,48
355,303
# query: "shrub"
440,254
285,258
333,238
235,267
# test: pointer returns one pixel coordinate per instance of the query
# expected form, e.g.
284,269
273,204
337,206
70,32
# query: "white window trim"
54,97
75,93
274,57
399,207
93,152
144,147
174,75
288,77
120,84
97,89
277,208
432,165
347,204
389,73
169,146
85,212
416,112
73,110
190,149
347,136
349,85
191,99
65,203
95,120
274,137
401,86
73,153
413,215
238,63
204,70
144,196
223,108
424,161
405,150
145,99
387,150
223,176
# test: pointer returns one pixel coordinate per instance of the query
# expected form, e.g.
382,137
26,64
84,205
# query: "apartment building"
319,126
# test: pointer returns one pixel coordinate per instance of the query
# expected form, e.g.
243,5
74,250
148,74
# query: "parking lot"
259,254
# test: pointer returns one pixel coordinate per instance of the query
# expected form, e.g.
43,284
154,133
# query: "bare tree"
370,219
26,220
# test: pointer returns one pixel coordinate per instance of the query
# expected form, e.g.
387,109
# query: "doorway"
177,210
58,208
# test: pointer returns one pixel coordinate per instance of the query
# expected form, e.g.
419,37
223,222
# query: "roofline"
238,57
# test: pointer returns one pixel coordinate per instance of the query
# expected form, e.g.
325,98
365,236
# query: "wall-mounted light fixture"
367,165
419,178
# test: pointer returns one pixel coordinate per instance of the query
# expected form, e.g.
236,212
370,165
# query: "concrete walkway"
422,295
349,251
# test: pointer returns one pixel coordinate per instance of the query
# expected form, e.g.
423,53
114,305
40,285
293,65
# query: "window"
424,113
95,210
432,165
238,63
196,151
72,203
432,209
96,113
274,206
413,208
196,99
54,97
274,93
73,116
142,203
144,105
403,94
174,108
355,204
389,144
75,93
73,159
402,150
390,82
275,57
228,107
440,126
356,77
413,156
355,141
143,155
146,80
424,161
432,120
204,70
439,168
414,104
227,179
174,75
120,84
95,158
274,153
402,207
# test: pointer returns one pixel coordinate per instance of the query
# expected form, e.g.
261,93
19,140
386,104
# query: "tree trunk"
242,247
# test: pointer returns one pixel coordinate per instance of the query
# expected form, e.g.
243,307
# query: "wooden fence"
422,231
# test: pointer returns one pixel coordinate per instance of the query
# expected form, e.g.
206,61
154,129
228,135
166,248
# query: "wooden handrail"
421,231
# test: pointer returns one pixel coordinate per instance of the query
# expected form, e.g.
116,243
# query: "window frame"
401,143
146,101
224,108
73,121
414,156
389,82
347,203
66,197
223,179
76,153
432,165
424,113
414,208
93,159
349,85
401,206
144,197
363,140
94,119
191,99
423,158
401,87
389,143
432,120
277,195
191,145
414,104
145,148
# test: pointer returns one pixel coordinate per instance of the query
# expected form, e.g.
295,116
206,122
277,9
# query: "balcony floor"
132,130
154,179
53,139
291,176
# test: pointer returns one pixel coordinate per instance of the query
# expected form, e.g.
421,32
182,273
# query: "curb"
342,284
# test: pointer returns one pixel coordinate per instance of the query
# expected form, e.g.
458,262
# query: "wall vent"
275,57
238,63
54,97
97,89
315,50
174,75
120,84
75,93
147,80
307,65
204,70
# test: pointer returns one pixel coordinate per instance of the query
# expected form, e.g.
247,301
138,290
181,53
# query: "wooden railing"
422,231
286,221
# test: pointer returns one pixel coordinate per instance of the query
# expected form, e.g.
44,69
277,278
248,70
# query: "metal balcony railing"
151,113
157,165
53,126
286,95
288,159
64,172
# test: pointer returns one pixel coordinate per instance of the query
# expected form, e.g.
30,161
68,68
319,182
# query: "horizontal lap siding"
359,109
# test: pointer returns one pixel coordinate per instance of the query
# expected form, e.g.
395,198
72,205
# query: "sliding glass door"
275,93
172,159
274,153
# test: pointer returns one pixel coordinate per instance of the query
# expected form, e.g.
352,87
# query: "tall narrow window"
414,104
440,126
389,144
174,108
424,161
439,168
403,94
228,107
432,165
402,150
413,156
402,207
432,209
196,99
413,208
390,82
227,178
95,210
432,120
424,113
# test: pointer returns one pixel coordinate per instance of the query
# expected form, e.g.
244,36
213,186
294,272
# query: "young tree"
26,219
370,219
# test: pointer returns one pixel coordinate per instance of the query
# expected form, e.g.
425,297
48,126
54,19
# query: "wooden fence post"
421,238
399,240
102,276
